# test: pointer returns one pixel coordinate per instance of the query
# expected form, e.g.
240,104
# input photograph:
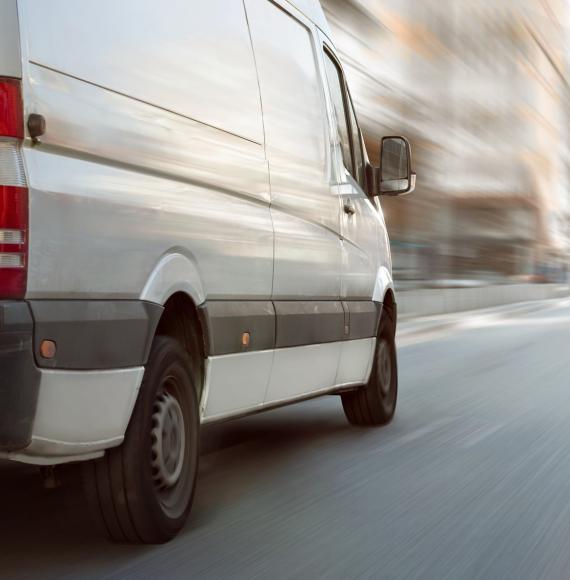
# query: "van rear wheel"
142,492
375,403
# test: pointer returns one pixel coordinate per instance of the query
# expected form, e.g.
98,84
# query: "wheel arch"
390,308
176,284
384,284
182,320
175,272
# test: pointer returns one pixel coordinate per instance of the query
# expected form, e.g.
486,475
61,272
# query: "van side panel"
304,205
118,181
10,61
192,58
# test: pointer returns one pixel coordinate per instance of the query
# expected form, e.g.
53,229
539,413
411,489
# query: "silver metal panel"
355,361
313,10
296,373
10,61
302,370
107,127
98,231
361,242
236,383
304,205
307,259
190,57
117,184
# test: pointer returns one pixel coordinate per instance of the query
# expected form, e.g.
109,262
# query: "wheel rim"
168,441
384,366
170,462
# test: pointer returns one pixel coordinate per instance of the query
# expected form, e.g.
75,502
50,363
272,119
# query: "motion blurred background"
481,88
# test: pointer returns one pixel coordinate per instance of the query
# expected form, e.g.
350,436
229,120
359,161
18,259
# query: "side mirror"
395,175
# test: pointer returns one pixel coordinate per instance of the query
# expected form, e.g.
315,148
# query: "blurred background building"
481,89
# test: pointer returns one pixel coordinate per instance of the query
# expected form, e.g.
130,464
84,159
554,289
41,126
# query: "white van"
189,232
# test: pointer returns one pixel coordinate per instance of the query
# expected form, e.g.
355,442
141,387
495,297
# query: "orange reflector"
48,349
245,338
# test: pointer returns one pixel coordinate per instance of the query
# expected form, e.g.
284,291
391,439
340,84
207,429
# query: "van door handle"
349,208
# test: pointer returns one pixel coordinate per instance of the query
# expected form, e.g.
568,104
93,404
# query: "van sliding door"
304,202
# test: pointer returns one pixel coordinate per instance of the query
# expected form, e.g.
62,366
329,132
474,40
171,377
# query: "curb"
415,327
444,301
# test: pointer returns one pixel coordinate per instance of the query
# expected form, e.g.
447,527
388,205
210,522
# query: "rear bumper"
79,414
79,403
19,376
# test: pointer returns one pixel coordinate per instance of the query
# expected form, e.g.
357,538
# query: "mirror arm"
413,177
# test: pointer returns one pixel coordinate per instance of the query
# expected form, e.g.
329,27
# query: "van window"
336,84
357,147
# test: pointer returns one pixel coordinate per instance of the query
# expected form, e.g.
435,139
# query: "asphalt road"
470,481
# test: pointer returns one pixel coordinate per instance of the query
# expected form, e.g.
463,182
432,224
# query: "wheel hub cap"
384,367
168,441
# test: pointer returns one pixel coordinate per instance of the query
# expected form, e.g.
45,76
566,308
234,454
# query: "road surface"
470,481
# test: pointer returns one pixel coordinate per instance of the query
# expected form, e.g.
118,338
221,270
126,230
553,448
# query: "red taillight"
13,241
13,194
11,112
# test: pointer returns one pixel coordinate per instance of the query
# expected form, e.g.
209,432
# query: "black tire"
374,404
142,492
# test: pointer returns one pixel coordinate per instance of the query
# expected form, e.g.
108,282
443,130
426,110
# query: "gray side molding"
95,334
363,318
284,324
112,334
227,321
302,323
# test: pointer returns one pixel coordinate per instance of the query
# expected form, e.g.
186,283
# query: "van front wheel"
375,402
142,491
